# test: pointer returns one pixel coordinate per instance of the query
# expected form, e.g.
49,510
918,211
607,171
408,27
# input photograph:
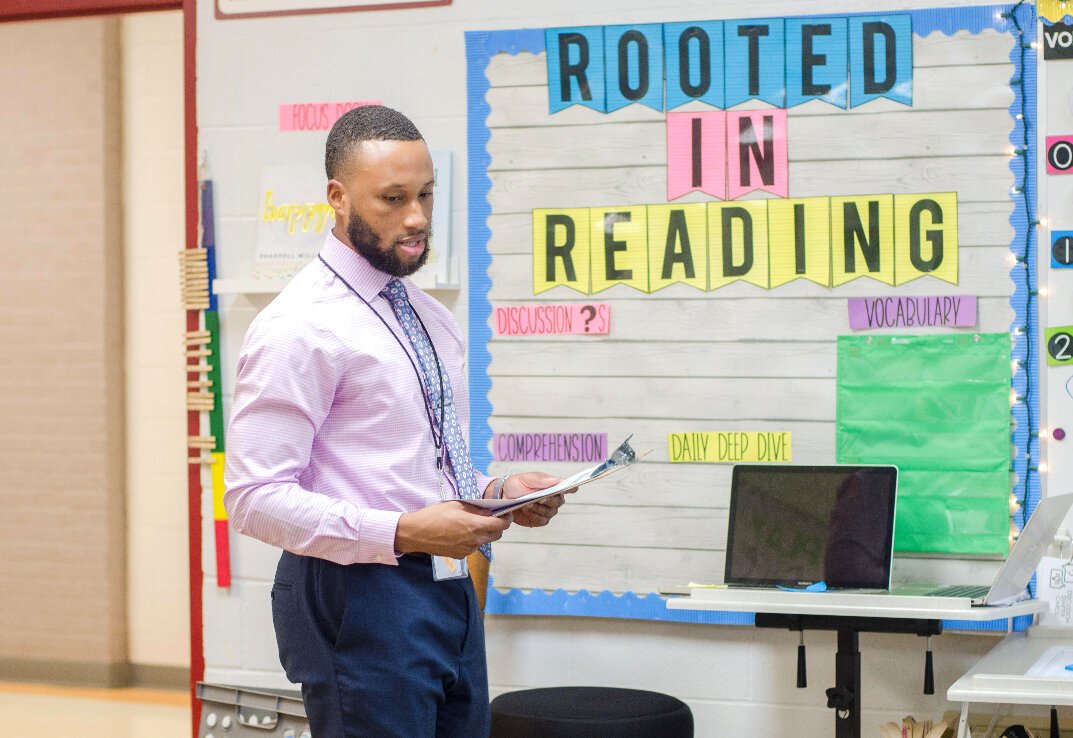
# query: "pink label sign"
592,318
950,311
315,116
573,447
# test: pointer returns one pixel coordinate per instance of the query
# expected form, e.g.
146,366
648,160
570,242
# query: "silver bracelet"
497,488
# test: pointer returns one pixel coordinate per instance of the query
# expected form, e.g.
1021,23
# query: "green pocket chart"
938,407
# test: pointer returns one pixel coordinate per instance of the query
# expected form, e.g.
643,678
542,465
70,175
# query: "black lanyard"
437,433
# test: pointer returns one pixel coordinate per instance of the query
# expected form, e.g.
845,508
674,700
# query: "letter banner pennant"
799,238
678,245
619,242
561,249
696,153
575,68
755,61
757,157
693,54
633,65
881,58
926,237
862,238
817,61
737,238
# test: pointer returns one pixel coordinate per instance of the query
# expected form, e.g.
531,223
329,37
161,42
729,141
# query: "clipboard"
620,458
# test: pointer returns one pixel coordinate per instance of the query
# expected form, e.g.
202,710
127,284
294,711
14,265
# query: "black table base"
845,696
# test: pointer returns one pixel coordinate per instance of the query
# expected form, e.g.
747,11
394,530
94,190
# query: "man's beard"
367,243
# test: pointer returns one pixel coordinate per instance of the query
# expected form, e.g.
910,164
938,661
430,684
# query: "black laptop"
796,526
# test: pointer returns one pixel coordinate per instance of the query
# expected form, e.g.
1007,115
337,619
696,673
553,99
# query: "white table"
999,677
849,614
855,604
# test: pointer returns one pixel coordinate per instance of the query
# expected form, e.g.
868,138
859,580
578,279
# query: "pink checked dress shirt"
329,442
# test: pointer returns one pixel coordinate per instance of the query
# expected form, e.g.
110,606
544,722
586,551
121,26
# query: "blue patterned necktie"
457,450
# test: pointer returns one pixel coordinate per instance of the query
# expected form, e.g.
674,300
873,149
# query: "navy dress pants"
382,651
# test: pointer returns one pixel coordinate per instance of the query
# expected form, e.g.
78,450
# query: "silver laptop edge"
1031,545
1013,576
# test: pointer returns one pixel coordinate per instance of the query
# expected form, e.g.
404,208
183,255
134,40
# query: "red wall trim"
18,10
221,15
14,10
193,419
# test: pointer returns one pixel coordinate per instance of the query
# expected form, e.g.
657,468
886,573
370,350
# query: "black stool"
589,712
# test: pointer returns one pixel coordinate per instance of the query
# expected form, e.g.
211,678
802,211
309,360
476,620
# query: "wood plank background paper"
740,358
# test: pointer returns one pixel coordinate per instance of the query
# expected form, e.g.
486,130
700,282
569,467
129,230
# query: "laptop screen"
798,525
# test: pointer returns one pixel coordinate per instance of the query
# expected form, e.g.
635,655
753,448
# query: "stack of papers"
620,458
1056,661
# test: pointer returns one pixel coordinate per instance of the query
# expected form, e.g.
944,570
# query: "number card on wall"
1062,249
1059,345
1059,154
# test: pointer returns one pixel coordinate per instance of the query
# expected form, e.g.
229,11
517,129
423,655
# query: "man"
346,449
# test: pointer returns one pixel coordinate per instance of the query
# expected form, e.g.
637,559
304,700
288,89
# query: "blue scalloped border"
1025,325
481,46
602,605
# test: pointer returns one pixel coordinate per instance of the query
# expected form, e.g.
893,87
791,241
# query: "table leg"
963,722
845,696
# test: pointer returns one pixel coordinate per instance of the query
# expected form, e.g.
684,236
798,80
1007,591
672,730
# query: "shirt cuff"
376,542
482,483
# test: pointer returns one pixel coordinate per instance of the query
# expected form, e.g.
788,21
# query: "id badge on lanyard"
444,567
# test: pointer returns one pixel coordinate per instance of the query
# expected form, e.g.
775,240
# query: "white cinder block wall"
737,680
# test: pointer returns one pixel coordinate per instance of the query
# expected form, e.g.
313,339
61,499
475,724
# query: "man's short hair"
365,123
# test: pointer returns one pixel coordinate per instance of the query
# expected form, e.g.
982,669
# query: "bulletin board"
855,175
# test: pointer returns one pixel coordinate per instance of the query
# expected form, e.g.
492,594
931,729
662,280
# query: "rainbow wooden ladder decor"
198,269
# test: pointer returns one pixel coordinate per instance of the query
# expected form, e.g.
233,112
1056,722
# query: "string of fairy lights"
1024,332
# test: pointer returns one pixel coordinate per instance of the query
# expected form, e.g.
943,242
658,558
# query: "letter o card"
1060,154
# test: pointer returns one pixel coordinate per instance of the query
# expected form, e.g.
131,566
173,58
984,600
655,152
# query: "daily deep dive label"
729,447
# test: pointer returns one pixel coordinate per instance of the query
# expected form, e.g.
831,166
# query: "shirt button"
378,558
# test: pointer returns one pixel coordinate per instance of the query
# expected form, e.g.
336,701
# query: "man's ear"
338,200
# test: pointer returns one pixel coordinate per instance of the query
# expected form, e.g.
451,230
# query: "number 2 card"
1059,345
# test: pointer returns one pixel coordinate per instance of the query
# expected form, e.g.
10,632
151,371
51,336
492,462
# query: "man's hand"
448,529
538,513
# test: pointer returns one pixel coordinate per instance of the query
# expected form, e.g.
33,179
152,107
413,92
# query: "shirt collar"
366,279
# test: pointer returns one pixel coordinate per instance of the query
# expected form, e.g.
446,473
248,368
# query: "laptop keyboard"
960,590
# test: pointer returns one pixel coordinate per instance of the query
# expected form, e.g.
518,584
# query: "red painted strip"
193,420
13,10
220,15
223,555
18,10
